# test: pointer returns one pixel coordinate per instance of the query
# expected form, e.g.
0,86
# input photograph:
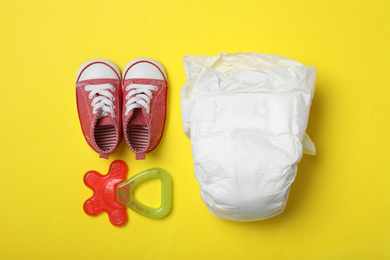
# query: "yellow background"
339,205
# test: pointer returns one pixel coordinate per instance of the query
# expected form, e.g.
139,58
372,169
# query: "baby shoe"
144,89
98,93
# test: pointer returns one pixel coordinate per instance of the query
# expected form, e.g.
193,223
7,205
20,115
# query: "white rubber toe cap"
144,68
98,69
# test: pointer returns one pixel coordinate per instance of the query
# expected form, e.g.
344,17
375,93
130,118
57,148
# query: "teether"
111,193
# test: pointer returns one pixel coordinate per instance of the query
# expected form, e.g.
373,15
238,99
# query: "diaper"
246,116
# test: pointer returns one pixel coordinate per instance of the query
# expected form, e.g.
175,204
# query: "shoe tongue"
138,117
106,120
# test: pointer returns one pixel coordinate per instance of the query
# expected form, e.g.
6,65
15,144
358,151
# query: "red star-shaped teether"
104,193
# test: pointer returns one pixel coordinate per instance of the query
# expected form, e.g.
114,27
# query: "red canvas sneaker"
98,93
144,90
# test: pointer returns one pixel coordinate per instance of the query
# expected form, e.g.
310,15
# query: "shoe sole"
104,61
154,62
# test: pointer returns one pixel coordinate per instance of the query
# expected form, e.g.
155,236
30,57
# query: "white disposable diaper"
246,115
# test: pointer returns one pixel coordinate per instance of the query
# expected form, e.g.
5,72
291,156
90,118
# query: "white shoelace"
142,95
103,99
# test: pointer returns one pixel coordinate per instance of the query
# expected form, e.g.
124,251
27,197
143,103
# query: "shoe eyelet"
90,97
113,99
155,88
113,89
113,107
127,97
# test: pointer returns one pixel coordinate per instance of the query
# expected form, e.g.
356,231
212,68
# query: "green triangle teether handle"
125,193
